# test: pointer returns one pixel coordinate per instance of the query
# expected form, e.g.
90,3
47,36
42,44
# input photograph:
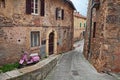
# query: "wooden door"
51,43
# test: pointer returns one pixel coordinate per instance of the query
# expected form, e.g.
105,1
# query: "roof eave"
71,4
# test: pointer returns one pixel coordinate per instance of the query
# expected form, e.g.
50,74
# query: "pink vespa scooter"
33,58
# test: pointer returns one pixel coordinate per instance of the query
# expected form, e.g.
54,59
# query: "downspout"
89,37
72,31
90,32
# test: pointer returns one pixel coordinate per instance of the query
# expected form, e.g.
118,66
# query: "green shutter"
84,24
80,24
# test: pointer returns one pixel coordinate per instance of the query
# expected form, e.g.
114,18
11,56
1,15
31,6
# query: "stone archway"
51,42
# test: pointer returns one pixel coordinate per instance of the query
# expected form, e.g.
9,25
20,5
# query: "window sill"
35,48
34,14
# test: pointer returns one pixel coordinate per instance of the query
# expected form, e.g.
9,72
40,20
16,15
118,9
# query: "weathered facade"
42,26
79,26
102,40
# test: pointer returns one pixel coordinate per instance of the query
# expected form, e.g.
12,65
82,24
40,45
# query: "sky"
81,6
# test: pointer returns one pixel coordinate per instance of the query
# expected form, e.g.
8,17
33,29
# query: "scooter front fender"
21,61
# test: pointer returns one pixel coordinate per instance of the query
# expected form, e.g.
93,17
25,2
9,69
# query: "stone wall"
16,26
104,46
36,72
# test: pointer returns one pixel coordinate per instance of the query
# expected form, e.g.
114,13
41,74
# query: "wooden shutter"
42,9
28,6
56,12
62,14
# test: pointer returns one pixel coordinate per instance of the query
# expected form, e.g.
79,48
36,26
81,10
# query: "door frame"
47,41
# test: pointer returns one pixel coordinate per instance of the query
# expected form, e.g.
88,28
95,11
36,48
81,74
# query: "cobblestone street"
73,66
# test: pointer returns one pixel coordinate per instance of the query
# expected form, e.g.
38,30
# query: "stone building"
102,40
36,26
79,26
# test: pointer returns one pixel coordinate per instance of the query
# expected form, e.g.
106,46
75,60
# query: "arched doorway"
54,50
51,43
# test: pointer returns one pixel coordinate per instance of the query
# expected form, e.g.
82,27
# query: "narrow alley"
73,66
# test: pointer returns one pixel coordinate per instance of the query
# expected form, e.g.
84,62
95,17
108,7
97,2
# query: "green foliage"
9,67
46,57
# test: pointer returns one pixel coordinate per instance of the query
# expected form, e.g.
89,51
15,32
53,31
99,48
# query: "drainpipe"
89,43
89,37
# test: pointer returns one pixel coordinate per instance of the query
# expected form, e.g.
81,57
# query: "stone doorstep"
22,71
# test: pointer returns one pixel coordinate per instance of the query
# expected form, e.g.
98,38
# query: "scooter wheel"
20,66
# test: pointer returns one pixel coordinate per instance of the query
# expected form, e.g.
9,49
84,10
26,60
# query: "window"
35,38
59,14
32,7
83,33
2,3
94,29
